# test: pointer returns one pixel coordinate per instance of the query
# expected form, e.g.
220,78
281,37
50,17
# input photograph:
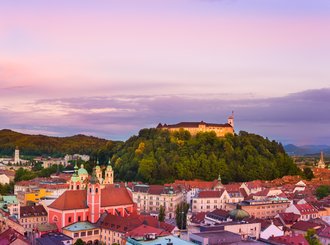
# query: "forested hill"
36,145
157,156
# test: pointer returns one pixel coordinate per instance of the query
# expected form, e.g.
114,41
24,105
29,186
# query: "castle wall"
219,131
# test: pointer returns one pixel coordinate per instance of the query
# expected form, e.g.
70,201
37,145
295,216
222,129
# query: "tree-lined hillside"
36,145
158,156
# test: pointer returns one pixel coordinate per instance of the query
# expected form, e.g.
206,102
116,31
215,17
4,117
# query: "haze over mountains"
305,150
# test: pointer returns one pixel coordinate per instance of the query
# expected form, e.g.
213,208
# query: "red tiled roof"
289,218
198,218
294,239
54,187
143,230
254,184
10,236
200,184
305,225
306,208
32,211
9,173
233,187
152,221
71,199
263,222
210,194
126,224
324,232
119,223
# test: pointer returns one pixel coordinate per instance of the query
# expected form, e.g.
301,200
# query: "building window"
83,233
76,234
69,219
97,190
89,233
96,232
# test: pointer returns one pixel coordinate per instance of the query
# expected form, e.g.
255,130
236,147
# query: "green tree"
181,215
312,238
161,215
322,191
308,173
79,242
24,174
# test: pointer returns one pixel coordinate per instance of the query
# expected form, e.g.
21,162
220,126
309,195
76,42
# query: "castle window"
79,218
90,190
97,190
69,219
77,187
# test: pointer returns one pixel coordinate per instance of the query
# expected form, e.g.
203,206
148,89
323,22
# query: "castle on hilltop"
195,127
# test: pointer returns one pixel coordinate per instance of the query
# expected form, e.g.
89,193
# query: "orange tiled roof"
115,196
71,199
200,184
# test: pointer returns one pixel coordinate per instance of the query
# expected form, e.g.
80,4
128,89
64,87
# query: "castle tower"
108,178
94,198
98,172
321,163
231,119
16,156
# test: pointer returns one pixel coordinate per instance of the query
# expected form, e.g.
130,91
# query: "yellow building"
34,196
197,127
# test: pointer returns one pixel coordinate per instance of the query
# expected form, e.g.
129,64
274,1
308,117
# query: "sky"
109,68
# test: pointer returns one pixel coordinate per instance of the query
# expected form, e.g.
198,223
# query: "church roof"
115,196
77,199
71,199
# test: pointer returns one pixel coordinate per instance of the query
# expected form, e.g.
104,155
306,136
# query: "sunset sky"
109,68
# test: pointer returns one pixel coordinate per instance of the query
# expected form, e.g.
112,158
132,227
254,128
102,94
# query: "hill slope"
34,145
157,156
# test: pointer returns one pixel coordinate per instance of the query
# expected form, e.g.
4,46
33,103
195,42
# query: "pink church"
89,203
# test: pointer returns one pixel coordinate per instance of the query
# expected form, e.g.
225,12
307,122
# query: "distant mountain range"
307,150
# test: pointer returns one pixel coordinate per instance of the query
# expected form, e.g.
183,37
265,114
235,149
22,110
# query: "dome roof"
82,171
109,167
75,178
238,213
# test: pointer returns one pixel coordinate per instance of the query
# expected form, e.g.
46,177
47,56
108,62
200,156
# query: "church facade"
88,199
